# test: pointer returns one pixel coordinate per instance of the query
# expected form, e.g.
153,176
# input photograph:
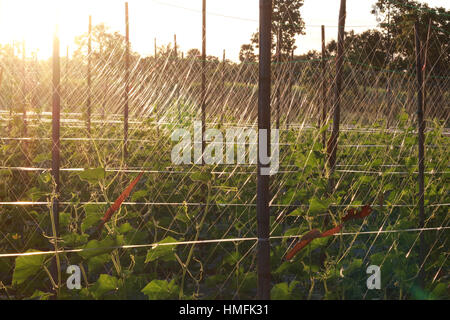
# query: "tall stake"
203,97
127,84
24,100
66,75
324,89
421,124
175,45
88,107
56,107
424,69
332,143
263,196
224,63
177,91
278,80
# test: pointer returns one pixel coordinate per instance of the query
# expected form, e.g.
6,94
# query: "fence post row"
88,118
324,89
56,107
333,142
263,196
176,79
24,90
224,63
421,136
127,84
203,93
278,73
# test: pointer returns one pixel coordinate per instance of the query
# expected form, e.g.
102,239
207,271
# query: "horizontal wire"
291,125
211,143
212,172
197,204
154,245
354,130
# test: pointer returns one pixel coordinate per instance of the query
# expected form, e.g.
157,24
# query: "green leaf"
283,291
126,227
324,129
93,217
92,176
27,266
292,232
318,206
165,253
95,263
232,259
298,212
64,219
201,176
34,194
74,239
161,290
39,295
104,284
440,291
139,194
316,243
214,280
96,248
365,179
43,157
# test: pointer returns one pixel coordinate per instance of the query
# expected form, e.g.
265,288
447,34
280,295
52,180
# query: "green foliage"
92,176
105,284
329,268
283,291
164,253
27,266
95,247
161,290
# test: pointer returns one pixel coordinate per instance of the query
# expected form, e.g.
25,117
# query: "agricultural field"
165,207
93,205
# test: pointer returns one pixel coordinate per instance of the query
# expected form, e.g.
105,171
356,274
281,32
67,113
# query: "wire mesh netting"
189,230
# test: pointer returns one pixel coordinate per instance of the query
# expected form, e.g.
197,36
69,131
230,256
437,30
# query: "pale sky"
34,21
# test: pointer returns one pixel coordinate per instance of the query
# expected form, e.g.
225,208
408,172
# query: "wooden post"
424,71
11,103
222,116
56,107
333,142
278,78
263,196
156,50
177,92
324,89
291,86
203,94
24,96
66,76
34,97
127,84
175,45
88,107
421,125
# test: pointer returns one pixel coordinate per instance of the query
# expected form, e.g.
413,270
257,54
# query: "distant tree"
369,47
107,47
287,23
247,54
193,54
397,20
